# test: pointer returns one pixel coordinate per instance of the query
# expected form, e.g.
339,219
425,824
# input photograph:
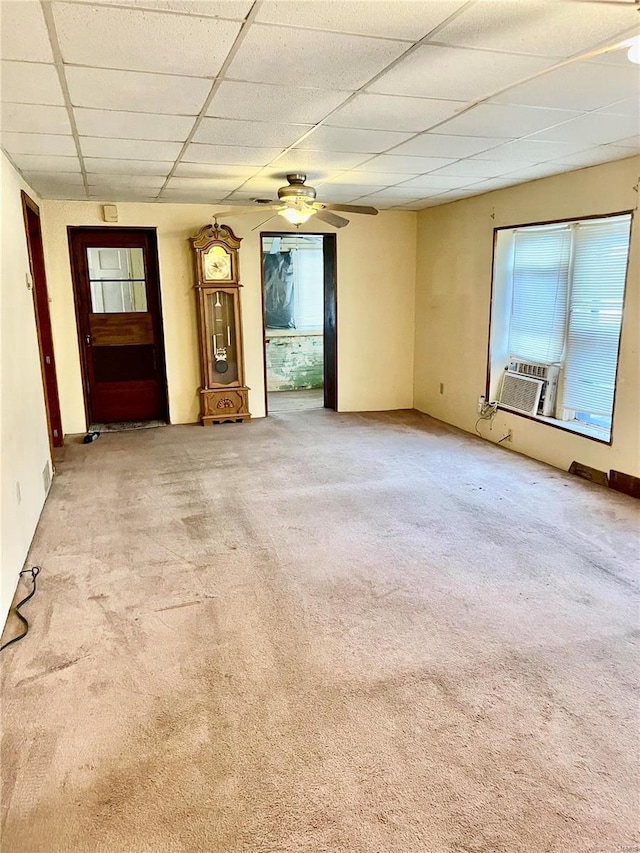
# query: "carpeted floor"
319,633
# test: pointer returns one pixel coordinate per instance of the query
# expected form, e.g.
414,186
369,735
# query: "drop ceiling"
402,104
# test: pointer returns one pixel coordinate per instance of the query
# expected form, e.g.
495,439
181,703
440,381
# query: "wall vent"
46,478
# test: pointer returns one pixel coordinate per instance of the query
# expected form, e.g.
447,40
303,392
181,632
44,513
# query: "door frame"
42,313
330,326
82,308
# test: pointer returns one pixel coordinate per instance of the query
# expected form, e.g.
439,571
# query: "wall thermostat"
110,213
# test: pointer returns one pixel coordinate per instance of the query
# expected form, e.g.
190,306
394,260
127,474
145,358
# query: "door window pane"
117,280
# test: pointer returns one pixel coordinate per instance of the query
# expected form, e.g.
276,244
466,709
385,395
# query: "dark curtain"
278,290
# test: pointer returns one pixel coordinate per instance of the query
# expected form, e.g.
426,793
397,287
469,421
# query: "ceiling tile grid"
405,103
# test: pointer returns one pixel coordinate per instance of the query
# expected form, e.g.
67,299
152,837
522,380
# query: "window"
558,293
293,269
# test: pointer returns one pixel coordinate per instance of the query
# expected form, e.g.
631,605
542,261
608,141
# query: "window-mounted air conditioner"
530,387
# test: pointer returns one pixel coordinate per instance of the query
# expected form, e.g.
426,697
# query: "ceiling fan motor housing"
297,191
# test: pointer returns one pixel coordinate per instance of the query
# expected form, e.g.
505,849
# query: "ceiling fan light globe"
297,215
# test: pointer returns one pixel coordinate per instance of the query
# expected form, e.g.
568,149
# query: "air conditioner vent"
521,393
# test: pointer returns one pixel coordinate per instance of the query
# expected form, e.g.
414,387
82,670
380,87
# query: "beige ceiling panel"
543,27
33,118
266,102
216,184
46,163
597,127
594,156
207,170
583,86
403,163
628,107
125,149
439,145
125,125
314,161
100,181
194,196
455,74
400,19
107,166
53,180
328,61
38,143
139,40
349,139
476,169
229,155
116,194
381,112
23,32
440,182
531,151
384,179
30,83
235,10
505,121
220,131
135,91
630,142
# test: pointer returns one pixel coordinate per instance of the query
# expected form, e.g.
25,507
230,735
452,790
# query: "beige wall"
453,292
24,442
376,294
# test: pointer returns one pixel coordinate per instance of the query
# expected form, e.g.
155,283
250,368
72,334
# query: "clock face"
217,264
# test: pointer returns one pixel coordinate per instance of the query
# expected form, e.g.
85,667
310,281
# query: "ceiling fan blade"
264,222
332,218
352,208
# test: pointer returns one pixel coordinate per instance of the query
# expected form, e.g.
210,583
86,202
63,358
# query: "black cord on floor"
34,572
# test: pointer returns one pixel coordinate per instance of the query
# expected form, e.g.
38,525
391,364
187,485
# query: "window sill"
593,433
291,333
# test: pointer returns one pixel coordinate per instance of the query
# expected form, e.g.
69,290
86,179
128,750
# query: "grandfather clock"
223,395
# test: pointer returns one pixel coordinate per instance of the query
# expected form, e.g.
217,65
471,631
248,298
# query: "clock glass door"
221,325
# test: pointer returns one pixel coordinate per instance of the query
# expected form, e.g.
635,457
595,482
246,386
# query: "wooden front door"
117,295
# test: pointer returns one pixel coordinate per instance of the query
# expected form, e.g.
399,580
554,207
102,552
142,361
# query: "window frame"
565,426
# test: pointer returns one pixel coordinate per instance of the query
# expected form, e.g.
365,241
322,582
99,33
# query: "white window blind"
539,295
308,277
595,314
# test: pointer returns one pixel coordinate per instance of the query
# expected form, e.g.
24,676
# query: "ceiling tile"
24,33
33,118
135,91
194,196
112,194
266,184
476,169
107,166
223,131
265,102
125,125
401,192
441,182
53,180
401,19
229,155
416,205
506,121
349,139
599,154
403,163
581,86
206,170
235,10
106,37
298,160
630,142
628,107
454,74
382,112
334,190
618,56
46,163
38,143
440,145
529,151
596,127
543,27
385,179
328,61
125,149
100,181
30,83
68,194
226,185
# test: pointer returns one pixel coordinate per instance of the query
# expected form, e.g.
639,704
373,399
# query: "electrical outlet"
482,400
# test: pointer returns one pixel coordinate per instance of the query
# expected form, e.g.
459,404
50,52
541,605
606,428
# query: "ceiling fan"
297,203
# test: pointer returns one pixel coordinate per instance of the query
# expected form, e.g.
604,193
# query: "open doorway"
299,298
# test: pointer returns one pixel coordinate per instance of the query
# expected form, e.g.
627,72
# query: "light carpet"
319,633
